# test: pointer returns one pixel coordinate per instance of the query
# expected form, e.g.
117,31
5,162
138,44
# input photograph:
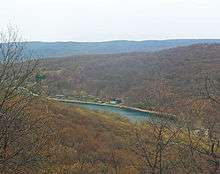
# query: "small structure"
116,101
60,96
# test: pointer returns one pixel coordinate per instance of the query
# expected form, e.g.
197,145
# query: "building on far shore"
60,96
115,101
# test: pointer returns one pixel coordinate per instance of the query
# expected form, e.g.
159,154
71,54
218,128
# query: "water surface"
131,114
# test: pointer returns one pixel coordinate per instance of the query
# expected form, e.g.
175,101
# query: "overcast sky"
101,20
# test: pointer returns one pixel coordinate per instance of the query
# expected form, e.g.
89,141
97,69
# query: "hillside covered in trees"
75,140
179,73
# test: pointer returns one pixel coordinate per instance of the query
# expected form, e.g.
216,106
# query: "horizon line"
122,40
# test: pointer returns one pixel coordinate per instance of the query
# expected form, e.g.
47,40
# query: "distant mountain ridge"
57,49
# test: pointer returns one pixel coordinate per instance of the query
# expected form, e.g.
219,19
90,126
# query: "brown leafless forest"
38,135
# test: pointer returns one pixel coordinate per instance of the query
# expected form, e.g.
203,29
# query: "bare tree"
212,90
155,146
20,138
207,142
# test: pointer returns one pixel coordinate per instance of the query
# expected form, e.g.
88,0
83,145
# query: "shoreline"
161,115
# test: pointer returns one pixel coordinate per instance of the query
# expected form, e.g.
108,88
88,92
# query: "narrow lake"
133,115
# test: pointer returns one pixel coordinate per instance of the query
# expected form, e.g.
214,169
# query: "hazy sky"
99,20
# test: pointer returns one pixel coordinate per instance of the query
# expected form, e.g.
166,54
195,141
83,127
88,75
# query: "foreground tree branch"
20,135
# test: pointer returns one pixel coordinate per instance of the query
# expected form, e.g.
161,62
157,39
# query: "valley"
110,87
178,74
140,112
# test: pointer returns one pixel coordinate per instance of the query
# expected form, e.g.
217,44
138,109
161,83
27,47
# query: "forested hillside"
181,72
67,139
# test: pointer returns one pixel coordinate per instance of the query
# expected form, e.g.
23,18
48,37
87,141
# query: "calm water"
124,112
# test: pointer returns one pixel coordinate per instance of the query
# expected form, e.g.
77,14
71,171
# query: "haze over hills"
56,49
